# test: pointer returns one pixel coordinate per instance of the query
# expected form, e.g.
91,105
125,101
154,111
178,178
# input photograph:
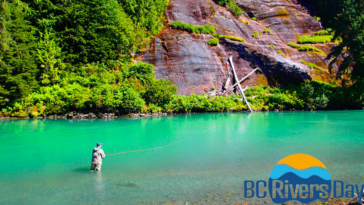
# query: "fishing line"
164,146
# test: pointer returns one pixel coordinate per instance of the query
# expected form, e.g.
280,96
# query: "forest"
59,56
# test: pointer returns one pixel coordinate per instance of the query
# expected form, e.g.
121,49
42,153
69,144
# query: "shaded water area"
209,157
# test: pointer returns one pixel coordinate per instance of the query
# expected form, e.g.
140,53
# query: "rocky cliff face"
196,67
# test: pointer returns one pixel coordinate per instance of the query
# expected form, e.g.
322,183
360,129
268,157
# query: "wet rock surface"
196,67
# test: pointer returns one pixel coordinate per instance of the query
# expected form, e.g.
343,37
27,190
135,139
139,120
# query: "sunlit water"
48,161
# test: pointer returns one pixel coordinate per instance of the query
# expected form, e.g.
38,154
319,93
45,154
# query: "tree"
18,68
349,25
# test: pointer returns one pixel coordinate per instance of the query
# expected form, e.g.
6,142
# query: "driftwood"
228,80
232,88
237,79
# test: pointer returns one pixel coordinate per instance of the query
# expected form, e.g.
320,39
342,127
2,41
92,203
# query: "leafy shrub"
127,90
254,18
271,46
231,5
314,39
160,92
255,34
213,42
321,101
152,108
206,29
201,103
305,47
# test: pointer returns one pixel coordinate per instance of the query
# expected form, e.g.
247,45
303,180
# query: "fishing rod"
160,147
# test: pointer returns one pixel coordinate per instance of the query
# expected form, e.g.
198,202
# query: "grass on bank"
324,32
233,38
244,21
305,47
206,29
315,39
282,54
312,65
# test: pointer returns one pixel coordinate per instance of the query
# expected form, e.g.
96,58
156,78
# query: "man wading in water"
97,156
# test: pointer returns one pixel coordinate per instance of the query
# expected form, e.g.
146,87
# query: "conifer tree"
18,68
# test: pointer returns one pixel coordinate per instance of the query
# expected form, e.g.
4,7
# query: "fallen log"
232,88
237,79
228,80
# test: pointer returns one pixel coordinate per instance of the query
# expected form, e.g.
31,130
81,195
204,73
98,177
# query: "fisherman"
97,156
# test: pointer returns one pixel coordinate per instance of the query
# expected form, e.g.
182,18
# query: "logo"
299,177
303,178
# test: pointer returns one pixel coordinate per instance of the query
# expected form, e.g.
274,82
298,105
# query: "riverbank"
76,115
312,95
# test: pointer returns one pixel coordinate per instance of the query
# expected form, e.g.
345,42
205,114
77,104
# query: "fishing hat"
99,143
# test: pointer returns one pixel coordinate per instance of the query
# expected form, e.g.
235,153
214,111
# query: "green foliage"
148,14
50,58
201,103
243,21
160,92
93,30
152,108
324,32
321,101
317,95
271,46
282,54
348,24
231,5
213,42
305,47
18,68
311,65
307,92
63,55
255,34
317,18
315,39
233,38
254,18
126,90
267,31
206,29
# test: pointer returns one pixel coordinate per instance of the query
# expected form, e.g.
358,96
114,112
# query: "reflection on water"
47,161
99,186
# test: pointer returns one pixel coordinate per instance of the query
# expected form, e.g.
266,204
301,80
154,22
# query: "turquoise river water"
208,158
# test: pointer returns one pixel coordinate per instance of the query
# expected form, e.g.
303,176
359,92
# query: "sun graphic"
302,161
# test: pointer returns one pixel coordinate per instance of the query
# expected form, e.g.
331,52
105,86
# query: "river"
199,158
